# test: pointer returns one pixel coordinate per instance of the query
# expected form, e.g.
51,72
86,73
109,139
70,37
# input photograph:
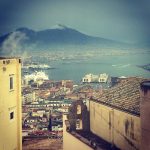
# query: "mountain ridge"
59,36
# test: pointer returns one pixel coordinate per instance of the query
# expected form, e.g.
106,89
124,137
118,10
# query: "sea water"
114,65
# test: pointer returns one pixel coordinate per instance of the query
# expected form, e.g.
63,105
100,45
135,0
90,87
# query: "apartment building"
10,104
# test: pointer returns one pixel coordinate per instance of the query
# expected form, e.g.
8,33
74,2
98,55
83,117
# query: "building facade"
10,104
115,115
101,78
119,128
119,116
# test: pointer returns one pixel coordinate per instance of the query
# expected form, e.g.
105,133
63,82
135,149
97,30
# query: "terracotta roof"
124,96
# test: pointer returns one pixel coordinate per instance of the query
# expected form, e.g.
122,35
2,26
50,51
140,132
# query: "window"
11,115
78,124
11,83
78,109
20,61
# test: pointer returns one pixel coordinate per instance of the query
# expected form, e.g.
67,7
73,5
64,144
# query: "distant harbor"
28,68
35,66
76,66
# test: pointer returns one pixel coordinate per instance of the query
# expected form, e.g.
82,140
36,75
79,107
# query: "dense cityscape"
45,101
92,114
74,75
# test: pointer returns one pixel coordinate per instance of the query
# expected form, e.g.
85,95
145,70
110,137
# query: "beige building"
117,118
10,104
102,78
90,78
115,115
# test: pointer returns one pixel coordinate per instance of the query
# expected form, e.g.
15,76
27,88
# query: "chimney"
145,115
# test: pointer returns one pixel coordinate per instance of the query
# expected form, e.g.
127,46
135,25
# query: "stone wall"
73,115
117,127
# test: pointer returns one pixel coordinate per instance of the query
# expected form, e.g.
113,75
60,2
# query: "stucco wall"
10,101
70,142
114,126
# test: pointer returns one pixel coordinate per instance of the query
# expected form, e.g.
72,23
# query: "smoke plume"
12,46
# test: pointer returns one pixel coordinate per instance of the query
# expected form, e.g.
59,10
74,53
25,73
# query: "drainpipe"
145,115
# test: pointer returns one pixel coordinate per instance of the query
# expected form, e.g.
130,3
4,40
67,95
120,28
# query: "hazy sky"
123,20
